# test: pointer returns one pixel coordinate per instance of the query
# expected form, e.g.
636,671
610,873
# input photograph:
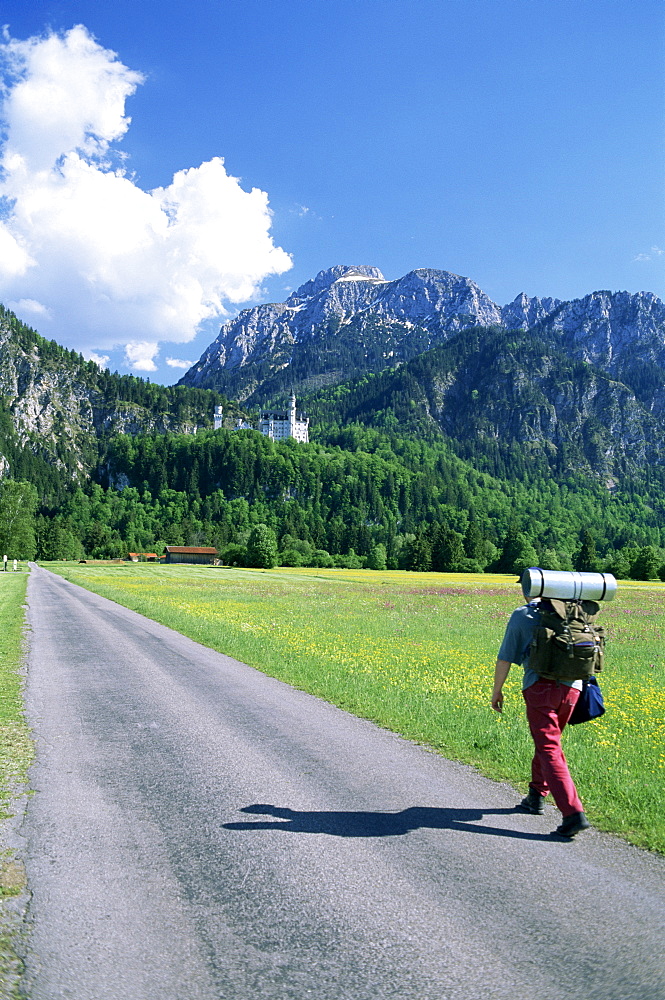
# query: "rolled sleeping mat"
567,586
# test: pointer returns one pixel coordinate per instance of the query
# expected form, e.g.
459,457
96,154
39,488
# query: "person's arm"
501,671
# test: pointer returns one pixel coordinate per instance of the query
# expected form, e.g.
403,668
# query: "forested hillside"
57,409
493,451
366,493
513,404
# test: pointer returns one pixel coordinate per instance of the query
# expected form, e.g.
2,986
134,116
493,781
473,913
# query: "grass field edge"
16,756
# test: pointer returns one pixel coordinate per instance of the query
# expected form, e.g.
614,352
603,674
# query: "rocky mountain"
523,312
621,333
55,407
350,320
344,321
515,405
570,386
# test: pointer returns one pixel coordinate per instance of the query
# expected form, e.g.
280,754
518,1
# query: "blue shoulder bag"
590,703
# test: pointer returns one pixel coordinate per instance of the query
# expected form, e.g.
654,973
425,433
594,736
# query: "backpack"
567,644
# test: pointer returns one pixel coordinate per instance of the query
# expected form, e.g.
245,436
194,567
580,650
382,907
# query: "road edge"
14,891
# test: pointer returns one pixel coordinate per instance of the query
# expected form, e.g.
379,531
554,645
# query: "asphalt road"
200,831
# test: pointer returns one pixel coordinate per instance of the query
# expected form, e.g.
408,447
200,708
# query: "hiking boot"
572,825
533,803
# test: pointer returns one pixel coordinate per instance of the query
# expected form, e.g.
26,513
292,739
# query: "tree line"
376,502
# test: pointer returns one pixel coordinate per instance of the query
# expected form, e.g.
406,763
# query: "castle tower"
219,411
292,415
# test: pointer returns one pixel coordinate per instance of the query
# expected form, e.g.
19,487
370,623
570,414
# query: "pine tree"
417,554
474,542
517,554
447,550
587,560
647,564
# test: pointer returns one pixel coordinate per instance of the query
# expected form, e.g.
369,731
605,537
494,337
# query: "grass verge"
415,652
16,752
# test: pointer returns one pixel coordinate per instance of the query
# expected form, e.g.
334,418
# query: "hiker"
549,705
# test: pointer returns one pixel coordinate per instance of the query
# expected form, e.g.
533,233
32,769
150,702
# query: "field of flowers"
415,653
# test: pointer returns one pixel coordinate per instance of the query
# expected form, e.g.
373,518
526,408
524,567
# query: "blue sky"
517,142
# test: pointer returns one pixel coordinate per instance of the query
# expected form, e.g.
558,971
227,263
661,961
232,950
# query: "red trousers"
549,706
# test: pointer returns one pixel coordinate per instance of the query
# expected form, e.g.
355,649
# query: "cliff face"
53,404
604,326
350,320
507,402
523,312
621,333
532,397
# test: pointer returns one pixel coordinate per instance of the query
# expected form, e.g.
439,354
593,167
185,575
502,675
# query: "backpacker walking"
557,644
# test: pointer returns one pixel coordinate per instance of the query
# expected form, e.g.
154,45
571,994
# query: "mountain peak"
349,320
328,277
524,312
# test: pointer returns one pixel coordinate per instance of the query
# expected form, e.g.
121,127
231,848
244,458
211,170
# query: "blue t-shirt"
517,641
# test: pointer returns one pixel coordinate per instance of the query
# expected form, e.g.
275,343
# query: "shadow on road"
379,824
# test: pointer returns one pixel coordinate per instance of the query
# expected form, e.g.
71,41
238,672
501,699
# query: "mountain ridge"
493,432
350,319
581,389
500,403
56,407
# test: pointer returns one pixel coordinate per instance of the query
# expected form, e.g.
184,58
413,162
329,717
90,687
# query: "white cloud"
66,93
179,363
100,359
141,355
305,212
653,254
109,263
29,307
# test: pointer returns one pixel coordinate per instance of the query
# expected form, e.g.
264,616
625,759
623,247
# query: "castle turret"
292,414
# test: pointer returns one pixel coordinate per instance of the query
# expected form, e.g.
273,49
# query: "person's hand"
501,671
497,701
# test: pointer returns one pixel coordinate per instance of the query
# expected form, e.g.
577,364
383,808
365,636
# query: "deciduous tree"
18,502
262,547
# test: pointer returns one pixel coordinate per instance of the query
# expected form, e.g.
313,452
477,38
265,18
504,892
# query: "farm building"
143,557
190,554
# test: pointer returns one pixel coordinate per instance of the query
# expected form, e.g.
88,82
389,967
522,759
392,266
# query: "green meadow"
415,653
15,743
15,756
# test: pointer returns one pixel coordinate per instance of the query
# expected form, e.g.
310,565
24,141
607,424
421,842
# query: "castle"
275,424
